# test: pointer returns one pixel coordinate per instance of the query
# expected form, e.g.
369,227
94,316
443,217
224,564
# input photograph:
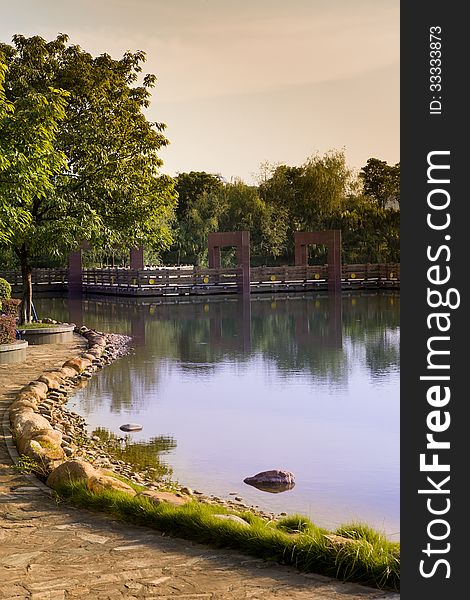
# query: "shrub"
5,289
7,329
10,307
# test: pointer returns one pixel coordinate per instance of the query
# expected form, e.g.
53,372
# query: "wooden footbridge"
171,281
179,281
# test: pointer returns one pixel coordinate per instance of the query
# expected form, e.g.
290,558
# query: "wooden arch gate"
241,241
332,240
75,286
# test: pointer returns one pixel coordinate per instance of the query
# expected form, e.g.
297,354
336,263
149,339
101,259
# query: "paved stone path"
50,552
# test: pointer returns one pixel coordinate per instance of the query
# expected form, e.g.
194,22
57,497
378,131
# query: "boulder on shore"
70,471
103,483
159,497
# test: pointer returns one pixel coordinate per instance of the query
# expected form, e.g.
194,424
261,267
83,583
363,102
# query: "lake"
307,383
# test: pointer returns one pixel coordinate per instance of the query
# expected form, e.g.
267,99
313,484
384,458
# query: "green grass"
370,559
299,524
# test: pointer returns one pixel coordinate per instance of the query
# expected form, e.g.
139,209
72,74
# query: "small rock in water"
130,427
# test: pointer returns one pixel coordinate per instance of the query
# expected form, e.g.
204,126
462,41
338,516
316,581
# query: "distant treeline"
323,193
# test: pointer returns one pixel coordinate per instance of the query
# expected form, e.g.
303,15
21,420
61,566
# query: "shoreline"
366,556
78,444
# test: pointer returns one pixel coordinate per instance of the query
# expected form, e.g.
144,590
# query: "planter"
57,334
13,353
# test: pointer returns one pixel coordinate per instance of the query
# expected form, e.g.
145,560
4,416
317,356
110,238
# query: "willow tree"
311,193
103,182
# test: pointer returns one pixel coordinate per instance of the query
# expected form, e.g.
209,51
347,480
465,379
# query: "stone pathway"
50,552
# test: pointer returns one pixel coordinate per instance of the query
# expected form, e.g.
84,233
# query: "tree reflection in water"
309,334
145,456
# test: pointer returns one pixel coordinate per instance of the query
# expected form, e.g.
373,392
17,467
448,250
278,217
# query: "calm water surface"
303,383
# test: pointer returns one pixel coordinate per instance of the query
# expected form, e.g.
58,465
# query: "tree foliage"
323,193
311,192
89,164
206,204
369,234
28,158
245,210
381,182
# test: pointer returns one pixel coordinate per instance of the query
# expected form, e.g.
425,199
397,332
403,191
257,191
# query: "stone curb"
14,456
97,343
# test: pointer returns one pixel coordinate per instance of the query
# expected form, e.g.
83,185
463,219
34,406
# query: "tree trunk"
27,301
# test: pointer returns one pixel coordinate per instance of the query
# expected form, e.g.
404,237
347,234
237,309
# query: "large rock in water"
273,481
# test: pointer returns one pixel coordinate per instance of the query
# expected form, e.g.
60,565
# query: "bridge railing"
39,277
177,277
183,277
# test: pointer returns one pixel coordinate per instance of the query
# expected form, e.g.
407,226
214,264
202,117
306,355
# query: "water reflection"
307,383
299,334
302,335
272,488
145,456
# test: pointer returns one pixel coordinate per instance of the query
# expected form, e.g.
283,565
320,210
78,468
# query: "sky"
244,83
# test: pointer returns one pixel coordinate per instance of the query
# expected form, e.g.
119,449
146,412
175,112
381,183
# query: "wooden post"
75,276
137,258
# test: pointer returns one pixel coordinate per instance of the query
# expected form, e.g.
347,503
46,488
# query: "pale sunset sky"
247,82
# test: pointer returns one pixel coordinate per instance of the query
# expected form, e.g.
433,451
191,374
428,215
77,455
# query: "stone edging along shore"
56,440
53,443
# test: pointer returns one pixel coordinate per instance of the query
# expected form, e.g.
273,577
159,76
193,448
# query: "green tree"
192,185
27,155
201,218
206,204
381,182
310,193
369,233
109,190
245,210
29,162
197,214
